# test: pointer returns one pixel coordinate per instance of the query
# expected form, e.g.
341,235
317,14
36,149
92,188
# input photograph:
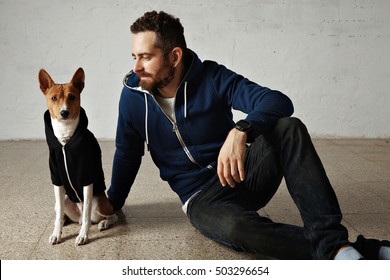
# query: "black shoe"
369,248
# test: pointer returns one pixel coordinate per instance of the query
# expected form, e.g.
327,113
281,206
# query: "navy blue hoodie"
186,151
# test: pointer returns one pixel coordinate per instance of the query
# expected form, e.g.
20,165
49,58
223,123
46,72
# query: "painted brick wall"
331,57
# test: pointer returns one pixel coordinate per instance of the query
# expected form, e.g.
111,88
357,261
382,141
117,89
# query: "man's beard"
154,82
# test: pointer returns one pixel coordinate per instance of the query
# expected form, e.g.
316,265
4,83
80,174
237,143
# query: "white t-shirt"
168,106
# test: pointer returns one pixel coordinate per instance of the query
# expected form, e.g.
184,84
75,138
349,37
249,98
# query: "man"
224,172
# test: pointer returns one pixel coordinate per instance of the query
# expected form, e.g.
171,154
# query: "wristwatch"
246,127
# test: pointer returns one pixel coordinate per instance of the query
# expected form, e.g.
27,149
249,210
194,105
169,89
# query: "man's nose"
137,66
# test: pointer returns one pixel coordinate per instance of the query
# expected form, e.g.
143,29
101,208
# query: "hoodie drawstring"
185,100
146,106
146,120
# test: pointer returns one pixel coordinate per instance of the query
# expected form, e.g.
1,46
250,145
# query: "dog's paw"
103,225
81,239
55,238
107,222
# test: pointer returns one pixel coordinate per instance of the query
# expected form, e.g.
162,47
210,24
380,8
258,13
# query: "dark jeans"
229,215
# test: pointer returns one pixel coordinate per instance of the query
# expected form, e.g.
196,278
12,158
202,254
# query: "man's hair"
168,29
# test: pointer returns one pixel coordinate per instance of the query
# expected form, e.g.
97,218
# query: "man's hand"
231,159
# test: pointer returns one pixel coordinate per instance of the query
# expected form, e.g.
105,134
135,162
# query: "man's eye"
54,98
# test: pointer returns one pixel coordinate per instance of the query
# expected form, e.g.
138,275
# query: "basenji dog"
75,160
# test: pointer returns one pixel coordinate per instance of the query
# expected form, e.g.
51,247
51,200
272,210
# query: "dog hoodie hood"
78,163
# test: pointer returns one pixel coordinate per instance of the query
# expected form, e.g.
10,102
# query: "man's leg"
309,187
229,215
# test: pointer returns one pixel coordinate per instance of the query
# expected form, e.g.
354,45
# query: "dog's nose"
64,114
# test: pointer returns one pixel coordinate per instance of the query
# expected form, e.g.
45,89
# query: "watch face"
246,127
243,125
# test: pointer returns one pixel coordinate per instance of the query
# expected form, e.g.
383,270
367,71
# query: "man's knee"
288,123
290,127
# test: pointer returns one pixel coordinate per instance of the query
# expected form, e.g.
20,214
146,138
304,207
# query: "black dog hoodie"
78,163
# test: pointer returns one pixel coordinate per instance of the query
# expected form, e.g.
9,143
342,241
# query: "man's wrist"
247,128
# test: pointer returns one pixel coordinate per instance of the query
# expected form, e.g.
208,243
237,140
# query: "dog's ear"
45,81
78,79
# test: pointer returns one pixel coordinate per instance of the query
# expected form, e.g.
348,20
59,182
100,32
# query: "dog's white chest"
64,129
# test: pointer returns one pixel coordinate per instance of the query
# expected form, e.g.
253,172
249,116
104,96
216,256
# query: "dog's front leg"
59,194
82,238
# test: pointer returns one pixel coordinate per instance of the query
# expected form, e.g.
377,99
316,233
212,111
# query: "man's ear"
177,56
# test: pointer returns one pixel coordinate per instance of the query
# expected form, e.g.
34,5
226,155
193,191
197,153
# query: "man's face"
152,68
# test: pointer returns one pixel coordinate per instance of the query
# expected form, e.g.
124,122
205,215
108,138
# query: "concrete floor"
152,224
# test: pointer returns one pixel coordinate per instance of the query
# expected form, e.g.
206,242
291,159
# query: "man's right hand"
231,159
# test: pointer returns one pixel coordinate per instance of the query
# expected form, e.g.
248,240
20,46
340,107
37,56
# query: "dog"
74,160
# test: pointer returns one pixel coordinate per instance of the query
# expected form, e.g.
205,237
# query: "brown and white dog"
75,160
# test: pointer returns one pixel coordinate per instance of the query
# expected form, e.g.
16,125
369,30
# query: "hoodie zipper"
178,135
175,129
67,173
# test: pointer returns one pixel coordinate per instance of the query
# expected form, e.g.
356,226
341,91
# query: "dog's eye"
54,98
72,97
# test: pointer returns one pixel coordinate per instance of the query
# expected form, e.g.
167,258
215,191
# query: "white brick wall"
331,57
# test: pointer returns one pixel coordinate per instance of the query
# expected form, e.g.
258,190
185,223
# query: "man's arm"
263,107
124,172
127,158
